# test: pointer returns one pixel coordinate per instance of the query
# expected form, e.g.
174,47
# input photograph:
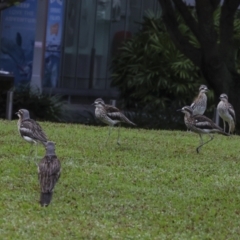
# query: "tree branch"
226,47
215,4
179,40
187,16
207,30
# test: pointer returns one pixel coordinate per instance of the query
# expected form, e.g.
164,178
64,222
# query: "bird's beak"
179,110
93,104
16,113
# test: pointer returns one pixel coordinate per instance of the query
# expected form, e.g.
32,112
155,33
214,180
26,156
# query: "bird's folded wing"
121,117
49,173
50,164
32,129
203,122
193,105
110,108
113,112
232,112
115,115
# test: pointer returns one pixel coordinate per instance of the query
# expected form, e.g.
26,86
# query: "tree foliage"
151,71
41,106
218,49
8,3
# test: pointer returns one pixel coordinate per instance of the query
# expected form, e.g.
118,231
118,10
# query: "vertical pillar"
39,45
9,105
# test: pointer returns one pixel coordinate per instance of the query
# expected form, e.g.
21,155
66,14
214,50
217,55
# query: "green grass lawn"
153,186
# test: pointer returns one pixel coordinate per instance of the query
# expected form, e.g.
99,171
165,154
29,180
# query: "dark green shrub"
154,77
149,70
41,106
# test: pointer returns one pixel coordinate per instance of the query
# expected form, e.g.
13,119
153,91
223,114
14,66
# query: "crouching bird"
30,130
110,115
49,170
200,124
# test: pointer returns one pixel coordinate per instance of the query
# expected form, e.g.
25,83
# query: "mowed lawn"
153,186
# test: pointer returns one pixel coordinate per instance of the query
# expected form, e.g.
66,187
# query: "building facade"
76,40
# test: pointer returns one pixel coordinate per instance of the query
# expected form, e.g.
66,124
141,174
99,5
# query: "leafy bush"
41,106
150,71
154,77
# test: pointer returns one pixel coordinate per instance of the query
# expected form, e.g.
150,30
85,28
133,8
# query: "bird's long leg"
224,126
109,133
30,153
201,140
229,127
211,138
118,142
36,154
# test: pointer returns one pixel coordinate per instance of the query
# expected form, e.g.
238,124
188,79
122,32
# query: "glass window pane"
136,9
85,43
94,31
101,43
70,43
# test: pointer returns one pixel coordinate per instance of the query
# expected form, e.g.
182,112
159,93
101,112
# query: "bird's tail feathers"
45,198
126,120
219,130
223,133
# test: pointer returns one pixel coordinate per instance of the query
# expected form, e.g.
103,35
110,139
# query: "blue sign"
53,42
17,40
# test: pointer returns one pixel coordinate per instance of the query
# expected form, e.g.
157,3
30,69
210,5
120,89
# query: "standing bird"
110,115
30,130
227,113
199,105
49,170
200,124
